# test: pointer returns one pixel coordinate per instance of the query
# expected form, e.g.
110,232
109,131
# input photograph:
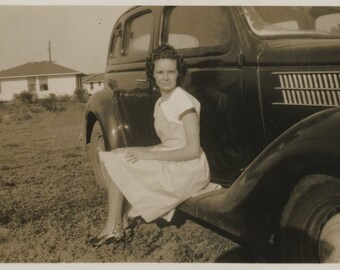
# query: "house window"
99,84
31,84
43,83
91,84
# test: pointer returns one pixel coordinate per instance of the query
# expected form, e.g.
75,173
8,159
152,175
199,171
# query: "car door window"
138,35
116,42
196,27
329,23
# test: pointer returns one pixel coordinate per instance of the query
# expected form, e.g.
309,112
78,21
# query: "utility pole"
49,51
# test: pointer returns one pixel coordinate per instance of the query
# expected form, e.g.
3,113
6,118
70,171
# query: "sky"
79,35
79,30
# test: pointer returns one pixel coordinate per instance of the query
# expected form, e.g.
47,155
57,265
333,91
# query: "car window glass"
192,27
289,25
329,23
116,42
139,35
270,21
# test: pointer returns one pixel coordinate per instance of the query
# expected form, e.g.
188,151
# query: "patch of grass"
50,203
7,182
25,106
52,103
12,145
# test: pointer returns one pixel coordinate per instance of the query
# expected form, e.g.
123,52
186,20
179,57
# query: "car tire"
97,144
310,224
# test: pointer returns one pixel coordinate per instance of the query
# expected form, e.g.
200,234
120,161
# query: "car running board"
207,207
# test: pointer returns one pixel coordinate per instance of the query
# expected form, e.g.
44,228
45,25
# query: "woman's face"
165,74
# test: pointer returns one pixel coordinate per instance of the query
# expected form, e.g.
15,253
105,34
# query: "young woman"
154,180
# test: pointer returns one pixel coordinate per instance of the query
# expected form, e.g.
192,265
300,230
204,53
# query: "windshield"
302,21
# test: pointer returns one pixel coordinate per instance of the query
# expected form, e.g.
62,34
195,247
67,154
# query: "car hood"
300,52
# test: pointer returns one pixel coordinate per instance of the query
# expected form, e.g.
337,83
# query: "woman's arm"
190,151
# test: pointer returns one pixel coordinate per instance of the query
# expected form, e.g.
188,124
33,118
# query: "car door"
125,74
205,37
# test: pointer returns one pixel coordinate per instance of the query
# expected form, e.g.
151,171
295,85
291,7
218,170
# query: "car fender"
102,107
251,208
311,146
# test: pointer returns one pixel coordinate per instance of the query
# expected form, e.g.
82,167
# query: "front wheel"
96,145
310,224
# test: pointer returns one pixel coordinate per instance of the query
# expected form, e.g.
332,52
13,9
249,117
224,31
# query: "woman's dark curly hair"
164,52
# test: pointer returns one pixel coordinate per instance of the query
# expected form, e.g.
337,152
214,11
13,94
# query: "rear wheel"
310,224
96,145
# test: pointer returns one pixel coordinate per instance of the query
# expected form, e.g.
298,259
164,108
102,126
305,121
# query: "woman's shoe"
129,225
114,236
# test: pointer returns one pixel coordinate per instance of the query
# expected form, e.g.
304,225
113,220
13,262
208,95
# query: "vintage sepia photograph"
169,132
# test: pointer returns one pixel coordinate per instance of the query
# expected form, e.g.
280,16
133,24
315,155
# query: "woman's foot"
115,235
127,222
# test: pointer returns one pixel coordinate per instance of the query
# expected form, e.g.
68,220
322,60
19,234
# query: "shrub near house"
81,95
25,106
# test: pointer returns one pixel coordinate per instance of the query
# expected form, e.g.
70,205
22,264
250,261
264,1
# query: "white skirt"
154,188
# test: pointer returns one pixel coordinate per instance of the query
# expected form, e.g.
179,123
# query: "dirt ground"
50,204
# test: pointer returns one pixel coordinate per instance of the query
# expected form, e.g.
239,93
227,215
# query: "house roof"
88,76
42,68
99,77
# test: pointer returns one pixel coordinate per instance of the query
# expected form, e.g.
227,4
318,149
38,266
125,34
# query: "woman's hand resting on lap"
137,153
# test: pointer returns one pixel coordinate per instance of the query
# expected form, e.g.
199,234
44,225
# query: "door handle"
142,80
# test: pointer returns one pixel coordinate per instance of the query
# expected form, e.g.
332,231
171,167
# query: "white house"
42,78
94,82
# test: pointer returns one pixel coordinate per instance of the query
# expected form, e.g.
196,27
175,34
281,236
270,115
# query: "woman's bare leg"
115,201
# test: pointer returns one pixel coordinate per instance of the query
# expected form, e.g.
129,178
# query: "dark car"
268,80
